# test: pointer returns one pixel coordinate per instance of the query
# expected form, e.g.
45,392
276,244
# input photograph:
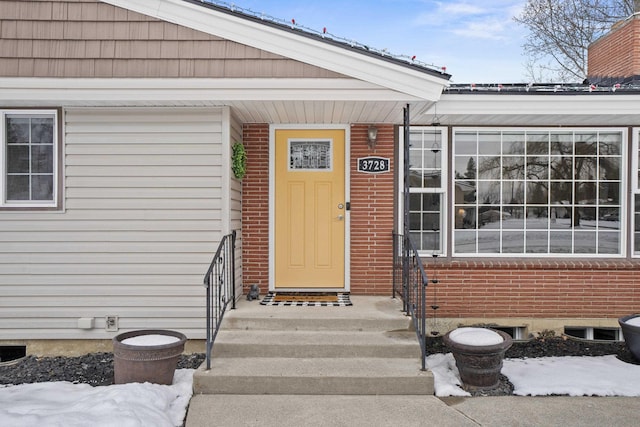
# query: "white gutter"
543,104
113,90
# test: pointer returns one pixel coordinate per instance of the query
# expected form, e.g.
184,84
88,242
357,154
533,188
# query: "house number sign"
373,165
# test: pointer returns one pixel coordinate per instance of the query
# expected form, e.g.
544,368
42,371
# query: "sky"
131,405
477,42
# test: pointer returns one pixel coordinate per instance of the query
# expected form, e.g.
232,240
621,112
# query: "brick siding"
372,205
538,289
255,207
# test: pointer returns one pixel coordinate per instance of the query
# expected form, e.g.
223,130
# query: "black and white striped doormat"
307,299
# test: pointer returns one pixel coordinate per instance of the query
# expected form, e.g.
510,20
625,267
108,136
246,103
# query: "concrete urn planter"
630,326
147,356
478,353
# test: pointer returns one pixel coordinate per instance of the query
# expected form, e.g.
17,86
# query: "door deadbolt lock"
340,206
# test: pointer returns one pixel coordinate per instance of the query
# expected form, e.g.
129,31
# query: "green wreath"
239,160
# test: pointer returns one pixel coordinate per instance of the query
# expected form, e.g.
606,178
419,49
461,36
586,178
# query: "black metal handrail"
220,281
410,281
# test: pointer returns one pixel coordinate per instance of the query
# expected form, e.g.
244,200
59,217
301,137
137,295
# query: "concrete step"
366,314
235,320
316,344
314,376
365,349
376,411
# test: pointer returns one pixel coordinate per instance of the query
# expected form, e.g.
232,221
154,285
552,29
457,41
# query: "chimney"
615,57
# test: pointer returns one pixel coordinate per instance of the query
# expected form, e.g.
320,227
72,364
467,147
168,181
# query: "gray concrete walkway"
406,411
274,410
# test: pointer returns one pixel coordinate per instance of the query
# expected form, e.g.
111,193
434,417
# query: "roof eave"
530,104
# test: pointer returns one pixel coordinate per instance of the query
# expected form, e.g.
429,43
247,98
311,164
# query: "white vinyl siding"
235,201
143,217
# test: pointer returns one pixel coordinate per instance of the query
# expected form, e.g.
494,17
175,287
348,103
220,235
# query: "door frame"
347,195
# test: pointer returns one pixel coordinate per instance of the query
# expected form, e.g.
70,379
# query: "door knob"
340,217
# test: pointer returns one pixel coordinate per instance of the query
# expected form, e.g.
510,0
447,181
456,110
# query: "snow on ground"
575,376
75,405
138,405
544,376
445,375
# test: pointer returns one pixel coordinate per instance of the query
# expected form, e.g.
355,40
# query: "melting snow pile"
475,336
150,340
634,321
545,376
80,405
574,376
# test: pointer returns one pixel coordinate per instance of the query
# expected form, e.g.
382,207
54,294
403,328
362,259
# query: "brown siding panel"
49,31
89,12
72,30
24,30
9,29
86,38
9,67
156,30
74,12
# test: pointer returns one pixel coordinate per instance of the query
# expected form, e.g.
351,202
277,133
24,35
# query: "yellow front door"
310,208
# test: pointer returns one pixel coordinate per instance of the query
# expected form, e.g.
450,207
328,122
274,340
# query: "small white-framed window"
539,192
427,188
29,166
594,333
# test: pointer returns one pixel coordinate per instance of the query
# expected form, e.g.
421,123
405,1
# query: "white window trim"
3,150
634,190
444,186
625,232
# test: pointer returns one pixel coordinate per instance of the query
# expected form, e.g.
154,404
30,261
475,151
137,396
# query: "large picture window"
29,158
538,192
427,184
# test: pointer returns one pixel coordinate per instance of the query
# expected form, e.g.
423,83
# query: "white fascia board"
561,104
63,91
297,47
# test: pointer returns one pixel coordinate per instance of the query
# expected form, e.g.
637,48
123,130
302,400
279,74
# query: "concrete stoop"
364,349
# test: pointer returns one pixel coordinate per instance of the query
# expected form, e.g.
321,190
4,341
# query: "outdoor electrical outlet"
111,323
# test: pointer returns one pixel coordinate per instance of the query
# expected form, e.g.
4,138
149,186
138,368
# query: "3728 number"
373,165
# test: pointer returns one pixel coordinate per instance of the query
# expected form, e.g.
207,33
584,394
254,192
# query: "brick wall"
617,54
372,201
538,289
255,207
